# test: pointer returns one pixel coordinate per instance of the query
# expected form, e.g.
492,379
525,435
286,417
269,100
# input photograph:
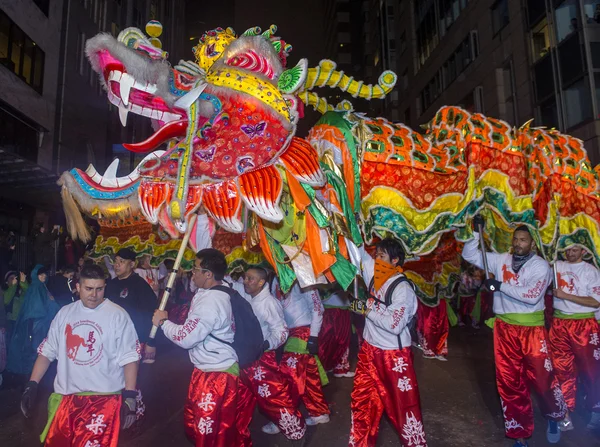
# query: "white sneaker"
346,374
270,429
566,424
323,419
594,423
441,358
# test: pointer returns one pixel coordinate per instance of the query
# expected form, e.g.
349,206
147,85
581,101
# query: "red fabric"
576,351
548,308
334,340
487,300
86,421
522,363
210,410
467,303
303,375
385,381
432,328
264,384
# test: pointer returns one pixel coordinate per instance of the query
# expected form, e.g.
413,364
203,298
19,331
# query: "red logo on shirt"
508,276
124,293
83,348
567,286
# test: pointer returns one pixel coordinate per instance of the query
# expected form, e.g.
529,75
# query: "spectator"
62,286
134,295
32,324
69,251
42,245
150,274
14,295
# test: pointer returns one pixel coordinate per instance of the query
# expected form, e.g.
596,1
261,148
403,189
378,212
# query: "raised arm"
397,315
472,254
367,265
314,302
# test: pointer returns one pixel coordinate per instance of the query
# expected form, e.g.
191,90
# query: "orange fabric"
321,261
265,245
301,199
383,272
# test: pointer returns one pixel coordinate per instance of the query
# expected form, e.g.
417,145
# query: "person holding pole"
211,405
521,349
574,335
97,349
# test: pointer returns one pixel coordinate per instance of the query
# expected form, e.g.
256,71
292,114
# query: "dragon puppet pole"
171,280
555,275
483,252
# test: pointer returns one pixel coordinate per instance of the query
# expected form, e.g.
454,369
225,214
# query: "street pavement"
459,401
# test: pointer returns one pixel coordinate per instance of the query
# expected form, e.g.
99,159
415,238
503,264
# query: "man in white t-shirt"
574,335
97,349
211,407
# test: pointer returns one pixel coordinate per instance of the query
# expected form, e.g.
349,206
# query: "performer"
303,313
385,378
520,337
432,330
211,405
262,382
97,350
134,294
468,289
334,338
574,333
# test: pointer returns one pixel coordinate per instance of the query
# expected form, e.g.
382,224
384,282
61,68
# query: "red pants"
432,328
262,383
576,350
86,421
385,381
334,340
523,362
303,374
210,410
467,303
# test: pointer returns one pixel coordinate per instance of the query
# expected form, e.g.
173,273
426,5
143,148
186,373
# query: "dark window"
499,15
535,10
570,59
18,134
566,19
594,49
20,54
578,102
549,113
544,81
43,5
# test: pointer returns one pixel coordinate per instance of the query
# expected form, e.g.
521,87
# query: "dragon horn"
315,101
254,31
270,32
326,75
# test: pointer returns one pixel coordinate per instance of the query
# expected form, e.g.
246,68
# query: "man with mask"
385,378
210,411
262,382
133,294
520,337
574,333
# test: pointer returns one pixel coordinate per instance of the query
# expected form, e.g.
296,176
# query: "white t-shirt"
520,293
581,279
91,346
384,323
303,308
210,313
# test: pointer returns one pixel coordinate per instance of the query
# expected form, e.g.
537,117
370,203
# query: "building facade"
510,59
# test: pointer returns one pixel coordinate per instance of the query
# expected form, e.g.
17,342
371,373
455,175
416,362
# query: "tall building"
54,114
510,59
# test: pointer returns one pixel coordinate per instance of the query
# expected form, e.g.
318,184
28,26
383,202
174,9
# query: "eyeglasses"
199,269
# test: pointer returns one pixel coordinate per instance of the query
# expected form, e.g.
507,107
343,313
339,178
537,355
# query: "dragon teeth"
125,85
123,115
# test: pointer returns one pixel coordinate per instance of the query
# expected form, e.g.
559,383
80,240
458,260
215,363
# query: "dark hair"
262,273
393,248
214,261
91,272
524,228
68,269
42,270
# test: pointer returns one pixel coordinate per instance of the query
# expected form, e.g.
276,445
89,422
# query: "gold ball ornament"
156,42
154,28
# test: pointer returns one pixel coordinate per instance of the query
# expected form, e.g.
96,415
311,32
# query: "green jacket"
17,302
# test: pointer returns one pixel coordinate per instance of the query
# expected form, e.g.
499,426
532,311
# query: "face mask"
384,271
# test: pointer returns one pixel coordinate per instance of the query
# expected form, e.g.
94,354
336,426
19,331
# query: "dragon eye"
210,50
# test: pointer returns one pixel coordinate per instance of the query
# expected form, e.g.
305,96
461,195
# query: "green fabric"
350,218
321,219
476,312
490,322
452,317
564,316
9,295
343,271
234,369
54,402
299,346
530,319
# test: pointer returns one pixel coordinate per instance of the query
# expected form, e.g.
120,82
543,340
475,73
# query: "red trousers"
385,381
303,375
467,303
432,328
523,362
210,410
86,421
334,340
264,384
576,351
